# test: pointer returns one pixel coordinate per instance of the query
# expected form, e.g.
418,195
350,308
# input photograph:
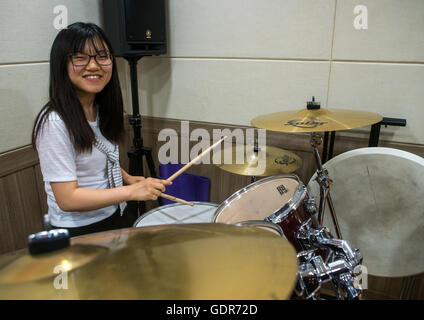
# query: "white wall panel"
23,92
392,90
251,28
395,31
228,91
26,27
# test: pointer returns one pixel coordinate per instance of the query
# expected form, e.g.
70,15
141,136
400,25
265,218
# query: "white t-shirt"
59,162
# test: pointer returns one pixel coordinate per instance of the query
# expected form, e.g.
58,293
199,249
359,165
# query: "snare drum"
178,213
281,199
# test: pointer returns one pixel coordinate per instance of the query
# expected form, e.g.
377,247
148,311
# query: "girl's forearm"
81,199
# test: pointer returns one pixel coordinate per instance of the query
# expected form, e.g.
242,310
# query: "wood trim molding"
17,160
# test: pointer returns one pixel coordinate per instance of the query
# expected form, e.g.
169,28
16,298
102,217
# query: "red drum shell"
279,199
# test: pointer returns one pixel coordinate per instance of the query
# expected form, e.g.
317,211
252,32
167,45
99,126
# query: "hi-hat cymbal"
278,161
316,120
166,262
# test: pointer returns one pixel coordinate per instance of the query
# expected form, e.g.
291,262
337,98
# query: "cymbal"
36,267
278,161
179,261
316,120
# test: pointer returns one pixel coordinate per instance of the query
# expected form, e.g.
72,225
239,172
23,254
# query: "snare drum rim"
280,214
211,204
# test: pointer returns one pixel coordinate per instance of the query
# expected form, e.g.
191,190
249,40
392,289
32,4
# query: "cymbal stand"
255,150
325,184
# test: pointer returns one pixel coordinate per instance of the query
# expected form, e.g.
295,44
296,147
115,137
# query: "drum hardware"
375,129
338,268
325,184
330,137
310,237
322,258
313,273
255,151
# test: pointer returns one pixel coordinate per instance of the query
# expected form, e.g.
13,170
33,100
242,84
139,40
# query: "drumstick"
167,196
188,165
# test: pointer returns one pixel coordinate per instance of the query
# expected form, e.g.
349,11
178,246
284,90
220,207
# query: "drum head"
259,200
377,196
201,212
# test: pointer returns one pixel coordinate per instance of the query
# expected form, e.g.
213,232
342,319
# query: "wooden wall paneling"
32,214
418,288
15,211
383,288
22,207
42,196
7,229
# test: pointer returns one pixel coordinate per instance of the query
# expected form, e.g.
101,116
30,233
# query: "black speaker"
135,27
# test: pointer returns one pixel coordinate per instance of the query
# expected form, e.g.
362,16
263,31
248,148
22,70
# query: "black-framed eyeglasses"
82,59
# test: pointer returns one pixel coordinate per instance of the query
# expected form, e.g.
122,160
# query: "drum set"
276,238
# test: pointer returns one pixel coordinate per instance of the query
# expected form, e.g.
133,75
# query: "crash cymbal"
316,120
180,261
278,161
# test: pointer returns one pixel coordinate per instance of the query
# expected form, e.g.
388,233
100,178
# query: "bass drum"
378,201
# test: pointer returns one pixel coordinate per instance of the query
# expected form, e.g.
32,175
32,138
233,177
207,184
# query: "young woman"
77,133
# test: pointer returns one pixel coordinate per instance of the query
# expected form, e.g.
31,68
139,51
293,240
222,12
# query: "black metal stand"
375,129
328,146
137,151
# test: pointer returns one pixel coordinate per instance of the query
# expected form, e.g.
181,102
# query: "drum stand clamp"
338,268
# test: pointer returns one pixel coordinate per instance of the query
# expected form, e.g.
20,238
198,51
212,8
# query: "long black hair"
63,98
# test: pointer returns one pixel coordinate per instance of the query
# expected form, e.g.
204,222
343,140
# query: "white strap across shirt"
114,173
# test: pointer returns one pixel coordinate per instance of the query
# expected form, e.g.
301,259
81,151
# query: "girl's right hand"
147,189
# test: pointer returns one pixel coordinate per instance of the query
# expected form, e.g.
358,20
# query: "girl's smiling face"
94,76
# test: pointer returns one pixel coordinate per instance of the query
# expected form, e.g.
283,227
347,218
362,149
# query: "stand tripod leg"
138,151
135,168
150,162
